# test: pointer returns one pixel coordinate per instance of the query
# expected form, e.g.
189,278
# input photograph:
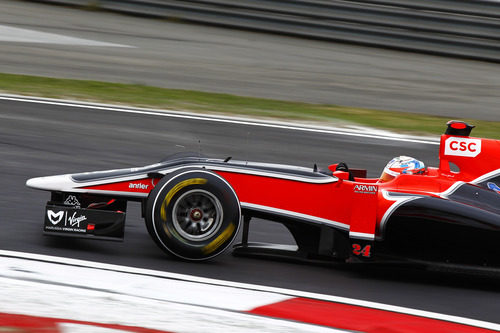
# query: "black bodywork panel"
462,229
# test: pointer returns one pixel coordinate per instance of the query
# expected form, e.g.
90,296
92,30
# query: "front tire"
193,214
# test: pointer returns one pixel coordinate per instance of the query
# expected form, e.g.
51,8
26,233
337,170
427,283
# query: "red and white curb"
49,294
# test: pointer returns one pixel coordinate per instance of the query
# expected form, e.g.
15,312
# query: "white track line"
280,291
364,133
20,35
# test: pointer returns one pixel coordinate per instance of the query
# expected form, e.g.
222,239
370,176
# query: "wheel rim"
197,215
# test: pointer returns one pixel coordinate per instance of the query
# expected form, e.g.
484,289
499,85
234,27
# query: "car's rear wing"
474,157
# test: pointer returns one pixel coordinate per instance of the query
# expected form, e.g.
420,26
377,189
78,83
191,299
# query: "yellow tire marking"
216,243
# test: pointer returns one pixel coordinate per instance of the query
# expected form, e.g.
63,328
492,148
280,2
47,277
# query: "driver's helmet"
402,165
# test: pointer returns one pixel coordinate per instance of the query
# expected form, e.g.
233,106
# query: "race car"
194,206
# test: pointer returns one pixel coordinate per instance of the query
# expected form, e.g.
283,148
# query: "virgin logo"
462,147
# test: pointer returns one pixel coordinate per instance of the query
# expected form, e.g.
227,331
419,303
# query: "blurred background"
400,66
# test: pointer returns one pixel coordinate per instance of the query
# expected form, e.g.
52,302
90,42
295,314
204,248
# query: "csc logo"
462,147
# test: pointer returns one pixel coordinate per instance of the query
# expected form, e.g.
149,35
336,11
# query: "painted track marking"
365,133
20,35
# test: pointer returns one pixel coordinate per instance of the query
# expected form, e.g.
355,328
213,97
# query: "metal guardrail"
460,28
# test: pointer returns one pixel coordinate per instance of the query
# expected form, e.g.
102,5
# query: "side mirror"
342,175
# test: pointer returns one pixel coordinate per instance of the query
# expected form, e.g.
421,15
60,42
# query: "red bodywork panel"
289,195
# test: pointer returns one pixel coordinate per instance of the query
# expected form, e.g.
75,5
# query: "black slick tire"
193,214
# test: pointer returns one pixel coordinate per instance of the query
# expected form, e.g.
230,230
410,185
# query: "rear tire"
193,214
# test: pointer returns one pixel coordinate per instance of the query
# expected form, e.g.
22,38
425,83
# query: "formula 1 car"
194,206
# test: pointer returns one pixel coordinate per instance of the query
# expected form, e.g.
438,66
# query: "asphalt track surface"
38,140
196,57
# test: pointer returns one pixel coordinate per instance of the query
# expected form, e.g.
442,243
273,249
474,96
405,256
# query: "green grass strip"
154,97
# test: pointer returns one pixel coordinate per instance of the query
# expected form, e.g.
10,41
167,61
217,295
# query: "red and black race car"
194,206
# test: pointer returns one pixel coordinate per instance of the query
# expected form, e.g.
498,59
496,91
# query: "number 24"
365,252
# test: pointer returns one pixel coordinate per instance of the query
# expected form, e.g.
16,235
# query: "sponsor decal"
65,229
71,200
54,217
493,187
75,221
82,221
462,147
366,189
60,221
138,186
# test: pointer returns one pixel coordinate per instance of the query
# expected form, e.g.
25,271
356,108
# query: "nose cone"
51,183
